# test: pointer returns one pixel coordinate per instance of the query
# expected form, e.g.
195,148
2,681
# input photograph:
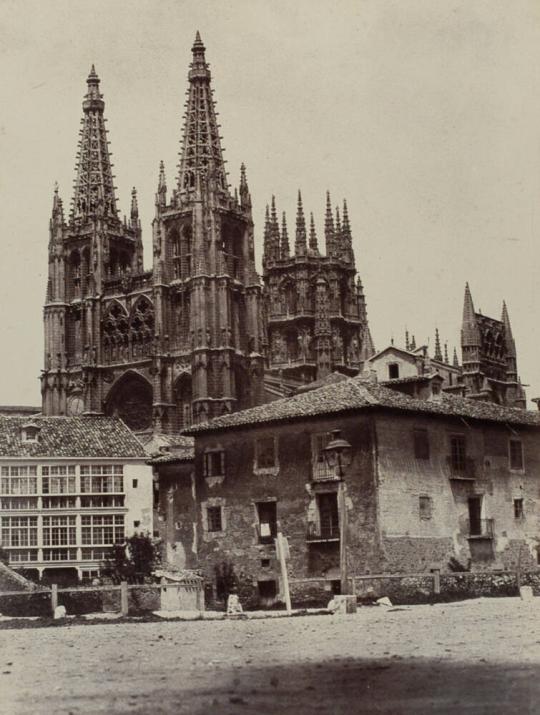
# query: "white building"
70,488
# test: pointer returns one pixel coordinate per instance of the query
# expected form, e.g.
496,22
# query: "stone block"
526,593
343,604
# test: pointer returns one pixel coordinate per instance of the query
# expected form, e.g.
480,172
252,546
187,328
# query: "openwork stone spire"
329,227
285,247
438,354
313,244
201,158
94,187
300,243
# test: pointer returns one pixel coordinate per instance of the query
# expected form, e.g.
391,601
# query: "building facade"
199,334
488,371
442,482
70,488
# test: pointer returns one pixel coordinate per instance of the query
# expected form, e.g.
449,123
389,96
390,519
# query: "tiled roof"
91,436
409,379
179,449
183,455
19,410
357,393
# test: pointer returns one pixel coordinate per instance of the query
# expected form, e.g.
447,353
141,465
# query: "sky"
423,114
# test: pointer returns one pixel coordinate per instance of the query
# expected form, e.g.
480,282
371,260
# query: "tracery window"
141,327
115,333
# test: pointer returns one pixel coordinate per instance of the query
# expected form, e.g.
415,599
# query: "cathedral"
200,335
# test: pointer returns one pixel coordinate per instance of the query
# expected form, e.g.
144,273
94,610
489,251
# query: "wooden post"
54,597
124,602
284,574
436,580
342,511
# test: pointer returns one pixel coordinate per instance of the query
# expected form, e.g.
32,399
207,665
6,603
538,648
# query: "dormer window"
30,432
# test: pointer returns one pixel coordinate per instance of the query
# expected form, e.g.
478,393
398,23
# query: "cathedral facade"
200,335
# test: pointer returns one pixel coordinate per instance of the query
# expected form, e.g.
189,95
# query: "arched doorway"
131,400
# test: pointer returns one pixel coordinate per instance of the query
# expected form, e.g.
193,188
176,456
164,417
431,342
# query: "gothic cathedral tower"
207,291
164,347
315,307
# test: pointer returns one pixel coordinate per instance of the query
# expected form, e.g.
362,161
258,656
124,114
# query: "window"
214,463
101,479
135,483
393,371
58,480
516,454
18,503
421,443
321,469
136,524
30,433
267,515
215,522
328,515
97,501
59,554
425,506
59,502
458,452
518,509
106,529
19,480
59,531
19,531
265,453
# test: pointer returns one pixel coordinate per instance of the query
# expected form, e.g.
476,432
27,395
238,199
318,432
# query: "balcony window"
265,453
421,444
321,469
326,528
515,447
214,463
214,518
458,453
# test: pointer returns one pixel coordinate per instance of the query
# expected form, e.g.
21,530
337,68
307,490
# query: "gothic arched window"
141,326
115,333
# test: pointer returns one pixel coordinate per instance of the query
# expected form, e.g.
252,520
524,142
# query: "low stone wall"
418,588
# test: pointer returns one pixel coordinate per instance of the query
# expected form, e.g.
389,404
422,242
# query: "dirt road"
472,657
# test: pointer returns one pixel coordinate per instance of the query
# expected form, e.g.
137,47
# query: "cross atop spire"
201,157
94,187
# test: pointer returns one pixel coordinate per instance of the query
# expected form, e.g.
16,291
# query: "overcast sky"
424,114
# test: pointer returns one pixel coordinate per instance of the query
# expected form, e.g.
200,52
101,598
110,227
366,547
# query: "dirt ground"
470,657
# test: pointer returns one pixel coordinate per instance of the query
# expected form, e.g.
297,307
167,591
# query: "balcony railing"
323,532
464,468
322,472
481,529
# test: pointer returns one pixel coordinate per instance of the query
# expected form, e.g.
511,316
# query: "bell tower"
85,252
207,291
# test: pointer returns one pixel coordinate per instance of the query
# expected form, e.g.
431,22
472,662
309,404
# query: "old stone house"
70,488
432,482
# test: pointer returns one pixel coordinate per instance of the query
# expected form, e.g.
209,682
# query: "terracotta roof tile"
91,436
357,393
